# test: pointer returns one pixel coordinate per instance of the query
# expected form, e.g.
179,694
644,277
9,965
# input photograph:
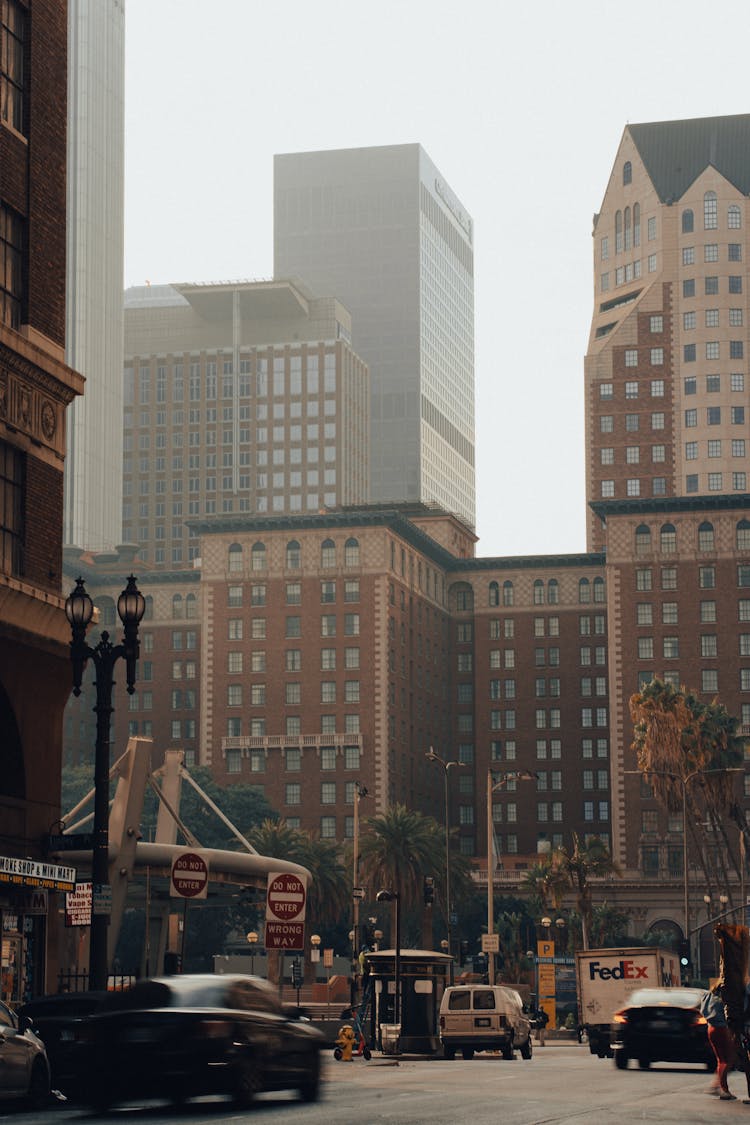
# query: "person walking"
720,1039
542,1019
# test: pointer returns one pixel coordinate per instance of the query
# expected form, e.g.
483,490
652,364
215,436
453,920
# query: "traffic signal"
685,959
172,963
429,890
296,973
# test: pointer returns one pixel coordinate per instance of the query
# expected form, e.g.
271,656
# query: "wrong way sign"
285,898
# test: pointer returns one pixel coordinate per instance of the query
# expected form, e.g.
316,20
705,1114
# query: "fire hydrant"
345,1042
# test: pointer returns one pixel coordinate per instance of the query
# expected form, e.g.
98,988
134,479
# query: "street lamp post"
683,780
79,610
252,938
394,896
433,757
492,787
360,791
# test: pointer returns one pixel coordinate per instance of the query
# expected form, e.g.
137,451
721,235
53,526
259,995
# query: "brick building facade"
36,387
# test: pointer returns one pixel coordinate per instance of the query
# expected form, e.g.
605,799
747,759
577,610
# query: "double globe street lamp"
79,610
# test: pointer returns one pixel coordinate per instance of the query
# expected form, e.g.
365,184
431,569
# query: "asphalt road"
564,1085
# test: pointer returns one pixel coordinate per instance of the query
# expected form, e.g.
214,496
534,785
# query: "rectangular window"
12,232
12,500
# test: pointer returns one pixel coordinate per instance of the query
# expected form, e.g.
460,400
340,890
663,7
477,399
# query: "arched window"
234,562
351,552
636,224
463,596
327,553
258,556
584,591
618,232
734,217
743,535
710,211
538,592
148,614
668,539
293,555
706,537
628,230
553,592
191,606
507,592
627,172
176,606
600,591
687,221
494,593
642,539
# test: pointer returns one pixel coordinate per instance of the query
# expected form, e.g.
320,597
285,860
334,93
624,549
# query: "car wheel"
467,1052
644,1064
621,1060
309,1088
526,1049
507,1051
39,1087
449,1053
247,1082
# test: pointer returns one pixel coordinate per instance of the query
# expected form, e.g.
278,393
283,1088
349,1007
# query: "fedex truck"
605,980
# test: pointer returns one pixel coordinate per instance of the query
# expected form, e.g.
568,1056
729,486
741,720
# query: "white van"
483,1017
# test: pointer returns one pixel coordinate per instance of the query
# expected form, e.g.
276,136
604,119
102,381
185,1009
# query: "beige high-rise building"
241,398
666,379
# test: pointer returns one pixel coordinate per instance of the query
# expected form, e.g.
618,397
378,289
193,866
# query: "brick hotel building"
328,647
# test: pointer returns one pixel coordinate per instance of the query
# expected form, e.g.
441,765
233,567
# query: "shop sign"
34,873
24,902
78,905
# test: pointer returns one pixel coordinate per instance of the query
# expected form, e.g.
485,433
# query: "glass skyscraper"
380,229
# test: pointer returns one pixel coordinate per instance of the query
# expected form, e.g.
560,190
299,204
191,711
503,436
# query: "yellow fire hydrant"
345,1042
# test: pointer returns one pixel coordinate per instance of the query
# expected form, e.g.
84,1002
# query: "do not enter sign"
285,901
189,876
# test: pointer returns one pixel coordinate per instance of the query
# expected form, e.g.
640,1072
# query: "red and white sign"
189,876
285,935
78,905
286,897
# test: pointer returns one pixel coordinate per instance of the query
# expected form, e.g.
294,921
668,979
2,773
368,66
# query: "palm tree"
398,849
678,738
588,858
547,884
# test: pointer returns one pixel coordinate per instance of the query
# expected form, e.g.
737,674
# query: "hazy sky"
521,107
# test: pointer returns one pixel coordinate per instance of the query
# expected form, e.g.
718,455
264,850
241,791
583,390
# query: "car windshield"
660,997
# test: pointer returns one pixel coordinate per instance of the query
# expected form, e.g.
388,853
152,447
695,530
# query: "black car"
24,1070
185,1036
57,1020
662,1025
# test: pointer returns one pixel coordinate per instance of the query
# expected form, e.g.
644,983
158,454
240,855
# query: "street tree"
687,750
587,859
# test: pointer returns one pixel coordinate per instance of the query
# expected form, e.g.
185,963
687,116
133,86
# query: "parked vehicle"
184,1036
24,1069
57,1020
607,977
485,1017
662,1025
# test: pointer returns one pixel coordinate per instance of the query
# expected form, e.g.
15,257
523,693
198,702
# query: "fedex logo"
625,970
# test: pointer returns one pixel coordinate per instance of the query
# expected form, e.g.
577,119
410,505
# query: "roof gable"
676,152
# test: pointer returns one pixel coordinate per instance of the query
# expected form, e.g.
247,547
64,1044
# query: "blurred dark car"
185,1036
662,1025
57,1020
24,1070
